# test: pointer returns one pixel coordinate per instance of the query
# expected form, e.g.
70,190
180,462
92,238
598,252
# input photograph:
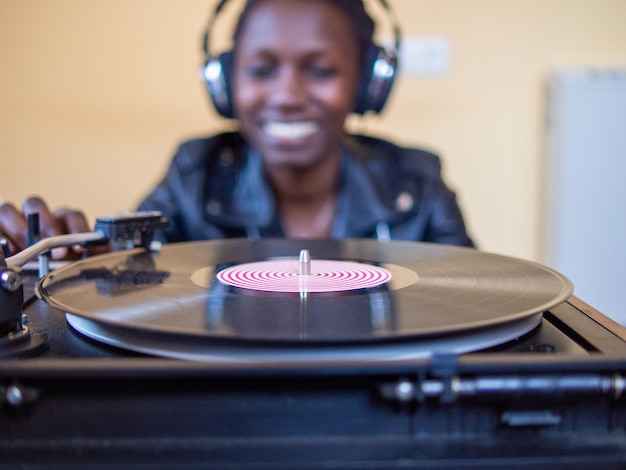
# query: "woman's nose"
289,89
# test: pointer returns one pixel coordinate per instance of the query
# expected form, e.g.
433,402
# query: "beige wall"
94,96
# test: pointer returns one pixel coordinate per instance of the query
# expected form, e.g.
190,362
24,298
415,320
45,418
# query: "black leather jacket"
215,188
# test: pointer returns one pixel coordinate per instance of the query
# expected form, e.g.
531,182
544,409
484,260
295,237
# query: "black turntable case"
552,399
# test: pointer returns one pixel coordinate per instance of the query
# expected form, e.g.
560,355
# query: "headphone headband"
377,76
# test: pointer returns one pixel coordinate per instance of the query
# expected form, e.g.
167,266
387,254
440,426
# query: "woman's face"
295,76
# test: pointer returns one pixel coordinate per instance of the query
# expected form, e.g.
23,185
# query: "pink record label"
284,276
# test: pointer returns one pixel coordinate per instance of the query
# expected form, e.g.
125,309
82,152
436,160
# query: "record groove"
283,276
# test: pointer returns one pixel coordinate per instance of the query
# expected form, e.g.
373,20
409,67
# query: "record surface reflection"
433,290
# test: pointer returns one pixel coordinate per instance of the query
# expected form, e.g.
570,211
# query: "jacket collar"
360,208
253,199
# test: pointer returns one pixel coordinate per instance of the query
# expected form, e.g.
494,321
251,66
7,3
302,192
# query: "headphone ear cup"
377,77
217,74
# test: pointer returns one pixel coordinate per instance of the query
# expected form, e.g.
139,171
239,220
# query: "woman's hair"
362,23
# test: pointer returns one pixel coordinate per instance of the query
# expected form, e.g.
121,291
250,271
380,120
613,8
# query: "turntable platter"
425,291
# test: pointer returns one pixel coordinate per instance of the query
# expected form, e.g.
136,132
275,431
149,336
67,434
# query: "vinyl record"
254,292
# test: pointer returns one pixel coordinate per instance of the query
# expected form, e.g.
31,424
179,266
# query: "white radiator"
585,187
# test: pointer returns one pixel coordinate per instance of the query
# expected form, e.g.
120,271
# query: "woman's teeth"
290,130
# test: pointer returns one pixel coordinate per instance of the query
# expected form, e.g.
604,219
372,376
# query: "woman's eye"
321,72
260,71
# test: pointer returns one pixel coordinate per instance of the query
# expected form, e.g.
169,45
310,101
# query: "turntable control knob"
405,391
10,280
17,395
14,396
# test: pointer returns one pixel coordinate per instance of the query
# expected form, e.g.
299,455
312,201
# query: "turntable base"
549,396
551,399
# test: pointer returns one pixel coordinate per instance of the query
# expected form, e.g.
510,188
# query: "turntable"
303,354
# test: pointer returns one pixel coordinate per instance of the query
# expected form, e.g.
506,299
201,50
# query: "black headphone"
377,77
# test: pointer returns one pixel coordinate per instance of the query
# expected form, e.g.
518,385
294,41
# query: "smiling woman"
297,70
294,88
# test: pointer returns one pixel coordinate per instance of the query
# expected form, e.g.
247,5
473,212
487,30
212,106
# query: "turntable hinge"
449,389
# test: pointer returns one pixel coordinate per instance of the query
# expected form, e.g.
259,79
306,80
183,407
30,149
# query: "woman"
291,170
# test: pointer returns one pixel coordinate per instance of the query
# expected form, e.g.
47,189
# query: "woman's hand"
14,225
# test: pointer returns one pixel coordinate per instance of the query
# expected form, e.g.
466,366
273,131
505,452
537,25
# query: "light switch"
425,56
